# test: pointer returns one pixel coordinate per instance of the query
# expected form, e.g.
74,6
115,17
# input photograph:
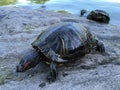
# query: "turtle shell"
101,12
64,42
99,15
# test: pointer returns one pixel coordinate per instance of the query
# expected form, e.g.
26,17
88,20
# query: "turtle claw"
50,79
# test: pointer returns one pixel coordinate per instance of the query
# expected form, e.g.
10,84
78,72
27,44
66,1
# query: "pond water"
73,6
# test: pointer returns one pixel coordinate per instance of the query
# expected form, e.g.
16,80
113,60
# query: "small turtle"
61,43
99,16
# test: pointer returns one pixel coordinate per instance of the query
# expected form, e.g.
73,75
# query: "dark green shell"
99,15
66,41
101,12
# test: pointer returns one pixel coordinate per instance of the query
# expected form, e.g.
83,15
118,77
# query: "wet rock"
42,85
65,74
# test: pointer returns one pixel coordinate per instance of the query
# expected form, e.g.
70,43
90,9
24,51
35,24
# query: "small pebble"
64,74
20,79
104,66
3,68
29,76
42,85
85,67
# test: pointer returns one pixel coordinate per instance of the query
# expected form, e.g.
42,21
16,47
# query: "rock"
65,74
42,85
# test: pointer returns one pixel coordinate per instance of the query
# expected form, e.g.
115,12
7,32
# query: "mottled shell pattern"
65,40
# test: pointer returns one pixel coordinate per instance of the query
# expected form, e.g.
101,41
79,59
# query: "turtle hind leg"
100,47
53,72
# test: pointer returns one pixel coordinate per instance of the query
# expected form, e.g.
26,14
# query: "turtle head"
29,60
82,12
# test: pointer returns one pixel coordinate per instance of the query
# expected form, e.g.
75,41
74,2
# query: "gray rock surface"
19,26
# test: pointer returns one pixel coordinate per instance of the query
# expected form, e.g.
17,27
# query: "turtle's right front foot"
53,73
50,78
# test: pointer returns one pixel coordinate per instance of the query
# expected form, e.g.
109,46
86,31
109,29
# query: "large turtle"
99,16
61,43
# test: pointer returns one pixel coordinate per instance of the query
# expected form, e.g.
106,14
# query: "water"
73,6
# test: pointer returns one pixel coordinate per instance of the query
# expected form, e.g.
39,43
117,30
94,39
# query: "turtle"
60,44
99,16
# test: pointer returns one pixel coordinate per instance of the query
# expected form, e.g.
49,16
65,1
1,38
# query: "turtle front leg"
100,47
53,72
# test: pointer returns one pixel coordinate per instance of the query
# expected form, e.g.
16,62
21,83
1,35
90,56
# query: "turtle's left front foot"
53,73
